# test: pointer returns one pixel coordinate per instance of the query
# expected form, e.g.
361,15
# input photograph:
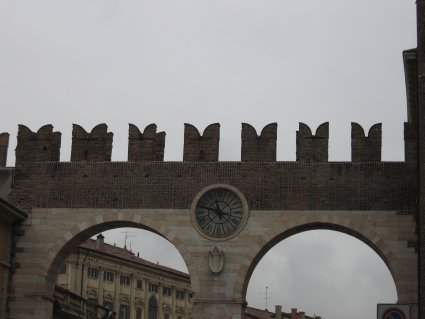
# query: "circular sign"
394,313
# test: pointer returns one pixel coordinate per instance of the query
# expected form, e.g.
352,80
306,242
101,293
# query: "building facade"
10,217
130,286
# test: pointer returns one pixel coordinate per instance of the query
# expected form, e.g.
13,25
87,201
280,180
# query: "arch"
97,224
359,231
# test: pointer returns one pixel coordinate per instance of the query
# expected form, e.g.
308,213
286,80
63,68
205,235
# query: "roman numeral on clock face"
219,212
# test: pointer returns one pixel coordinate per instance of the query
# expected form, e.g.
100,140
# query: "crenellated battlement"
259,148
366,148
201,148
4,145
146,146
312,148
96,146
41,146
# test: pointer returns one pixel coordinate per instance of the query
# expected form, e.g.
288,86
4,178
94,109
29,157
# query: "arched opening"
325,271
114,271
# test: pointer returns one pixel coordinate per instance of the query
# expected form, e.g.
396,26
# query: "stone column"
117,292
100,297
132,294
218,309
146,308
160,301
173,302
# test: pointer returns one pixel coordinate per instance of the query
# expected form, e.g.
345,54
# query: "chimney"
294,313
99,242
278,312
301,315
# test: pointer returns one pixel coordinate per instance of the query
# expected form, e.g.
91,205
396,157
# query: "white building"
130,286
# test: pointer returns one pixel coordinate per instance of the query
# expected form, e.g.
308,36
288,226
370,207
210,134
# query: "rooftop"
128,255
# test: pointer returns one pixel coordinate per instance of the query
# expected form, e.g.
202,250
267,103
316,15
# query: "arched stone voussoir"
298,225
78,233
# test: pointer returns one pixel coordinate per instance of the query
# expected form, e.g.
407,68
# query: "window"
139,284
179,294
167,291
63,269
153,288
139,312
108,276
125,280
124,312
92,272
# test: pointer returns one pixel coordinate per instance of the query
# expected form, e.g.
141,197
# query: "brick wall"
44,145
421,133
411,126
93,146
259,148
146,146
201,148
312,148
267,186
4,145
366,148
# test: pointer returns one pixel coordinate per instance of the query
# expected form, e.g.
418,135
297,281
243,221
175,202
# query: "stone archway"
52,234
322,271
60,240
385,254
96,224
385,243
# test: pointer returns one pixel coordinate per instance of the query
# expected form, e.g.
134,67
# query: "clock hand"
219,211
210,208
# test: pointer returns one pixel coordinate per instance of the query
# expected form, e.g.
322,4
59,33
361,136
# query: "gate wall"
51,234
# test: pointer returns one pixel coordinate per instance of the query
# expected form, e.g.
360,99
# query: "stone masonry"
380,203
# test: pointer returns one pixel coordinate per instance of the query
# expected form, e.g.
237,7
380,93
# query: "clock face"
219,212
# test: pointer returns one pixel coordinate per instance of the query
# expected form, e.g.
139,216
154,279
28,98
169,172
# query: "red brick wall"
4,144
146,146
273,185
366,148
201,148
312,148
421,125
259,148
93,146
44,145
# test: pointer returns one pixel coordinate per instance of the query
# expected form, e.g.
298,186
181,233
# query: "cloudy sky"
172,62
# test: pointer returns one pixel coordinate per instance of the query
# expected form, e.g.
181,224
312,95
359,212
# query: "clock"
219,212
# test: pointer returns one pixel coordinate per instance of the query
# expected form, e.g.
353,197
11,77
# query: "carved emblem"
216,260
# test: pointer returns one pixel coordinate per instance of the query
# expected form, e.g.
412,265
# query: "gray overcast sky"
170,62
